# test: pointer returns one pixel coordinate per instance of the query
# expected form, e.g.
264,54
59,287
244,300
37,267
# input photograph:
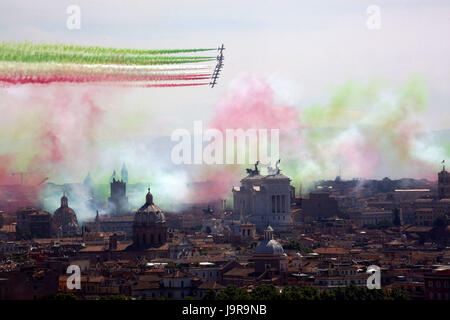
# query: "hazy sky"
304,48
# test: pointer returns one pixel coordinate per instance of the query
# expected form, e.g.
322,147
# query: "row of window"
438,284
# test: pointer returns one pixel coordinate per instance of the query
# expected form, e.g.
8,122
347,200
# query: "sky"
313,60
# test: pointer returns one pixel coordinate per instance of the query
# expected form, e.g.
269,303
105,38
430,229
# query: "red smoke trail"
167,85
100,78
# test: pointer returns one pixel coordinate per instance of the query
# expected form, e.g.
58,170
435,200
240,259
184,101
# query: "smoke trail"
26,63
30,48
98,78
42,57
167,85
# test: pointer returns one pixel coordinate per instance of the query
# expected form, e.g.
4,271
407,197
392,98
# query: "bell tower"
443,183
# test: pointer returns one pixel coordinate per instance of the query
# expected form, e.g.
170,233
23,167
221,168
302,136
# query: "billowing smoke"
369,130
62,132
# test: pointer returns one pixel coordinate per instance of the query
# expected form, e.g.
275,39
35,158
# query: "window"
273,204
283,203
278,203
182,283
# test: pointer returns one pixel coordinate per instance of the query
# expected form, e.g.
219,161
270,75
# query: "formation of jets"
219,66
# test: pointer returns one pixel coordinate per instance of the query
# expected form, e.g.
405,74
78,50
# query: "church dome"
149,213
65,211
64,220
269,247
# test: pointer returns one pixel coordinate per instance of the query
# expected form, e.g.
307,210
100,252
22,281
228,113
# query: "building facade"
32,223
264,200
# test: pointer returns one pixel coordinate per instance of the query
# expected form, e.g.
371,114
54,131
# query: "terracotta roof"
145,285
239,272
419,229
331,251
177,274
211,285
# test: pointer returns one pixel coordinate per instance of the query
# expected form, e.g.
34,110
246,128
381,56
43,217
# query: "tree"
299,293
295,245
398,294
60,296
265,292
233,293
210,295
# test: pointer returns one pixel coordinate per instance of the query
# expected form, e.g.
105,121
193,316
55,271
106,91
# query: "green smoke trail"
97,59
64,48
33,53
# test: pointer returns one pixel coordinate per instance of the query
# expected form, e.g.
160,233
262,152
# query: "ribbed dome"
269,247
149,213
64,220
64,211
